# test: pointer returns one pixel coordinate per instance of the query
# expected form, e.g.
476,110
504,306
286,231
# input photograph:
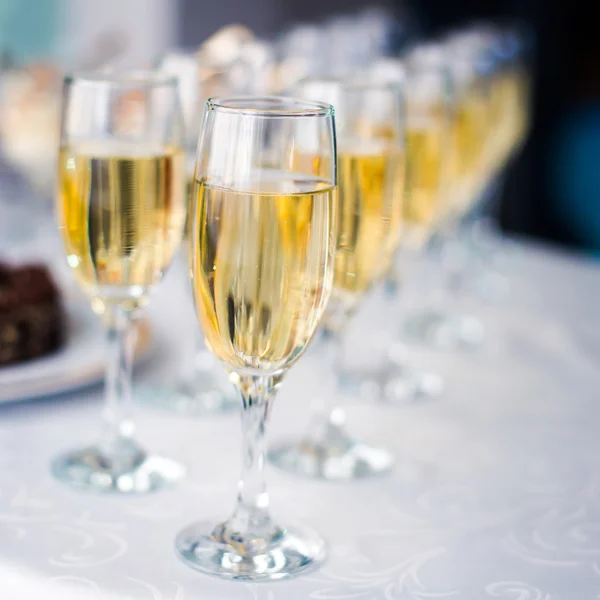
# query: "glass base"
91,469
411,386
218,551
190,399
396,384
331,454
493,286
443,330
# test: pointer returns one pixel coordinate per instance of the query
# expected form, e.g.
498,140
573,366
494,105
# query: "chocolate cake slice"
32,320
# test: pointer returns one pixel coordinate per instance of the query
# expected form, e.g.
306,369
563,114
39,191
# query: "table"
504,503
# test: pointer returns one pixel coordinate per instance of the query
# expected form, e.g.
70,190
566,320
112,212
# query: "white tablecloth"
503,500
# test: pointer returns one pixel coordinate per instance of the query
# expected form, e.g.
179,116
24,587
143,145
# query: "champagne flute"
510,47
121,212
201,388
471,143
428,115
262,247
371,186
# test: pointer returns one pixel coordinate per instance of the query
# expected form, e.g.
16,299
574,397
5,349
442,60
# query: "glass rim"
466,46
354,83
243,105
138,78
428,56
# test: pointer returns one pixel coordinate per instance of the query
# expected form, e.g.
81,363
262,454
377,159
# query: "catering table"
496,493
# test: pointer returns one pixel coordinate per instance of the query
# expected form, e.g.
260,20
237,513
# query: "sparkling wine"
370,202
468,136
425,152
263,265
121,214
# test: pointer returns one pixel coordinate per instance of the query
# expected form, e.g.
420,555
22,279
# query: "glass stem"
407,260
118,426
452,253
251,523
327,424
391,287
194,363
390,337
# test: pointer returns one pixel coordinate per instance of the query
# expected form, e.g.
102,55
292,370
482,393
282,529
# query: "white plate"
79,363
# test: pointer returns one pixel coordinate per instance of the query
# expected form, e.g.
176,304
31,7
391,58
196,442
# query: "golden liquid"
397,191
262,266
503,120
425,153
121,215
467,142
370,204
370,196
510,102
522,93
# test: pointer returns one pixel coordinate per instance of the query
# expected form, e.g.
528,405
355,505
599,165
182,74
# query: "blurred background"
551,192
